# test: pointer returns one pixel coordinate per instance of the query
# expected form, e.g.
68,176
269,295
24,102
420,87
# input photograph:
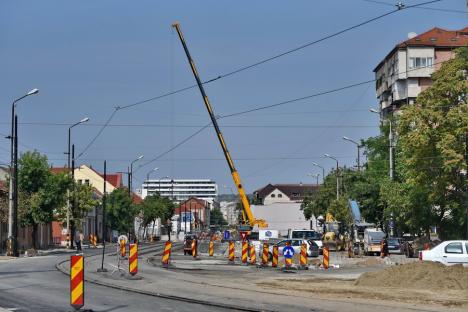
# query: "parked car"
448,253
188,243
308,234
296,245
394,245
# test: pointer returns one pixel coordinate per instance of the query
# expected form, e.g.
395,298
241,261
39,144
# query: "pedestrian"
79,240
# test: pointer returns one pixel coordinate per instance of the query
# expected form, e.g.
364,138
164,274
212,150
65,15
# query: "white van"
308,234
372,240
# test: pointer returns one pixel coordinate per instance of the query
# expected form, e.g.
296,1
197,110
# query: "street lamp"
131,174
71,173
147,179
358,151
13,196
337,175
316,175
323,171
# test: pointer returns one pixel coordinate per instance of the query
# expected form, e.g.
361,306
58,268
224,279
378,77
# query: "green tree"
155,207
120,212
83,201
432,146
217,218
41,193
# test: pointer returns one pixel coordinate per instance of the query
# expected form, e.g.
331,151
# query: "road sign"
227,235
288,252
243,235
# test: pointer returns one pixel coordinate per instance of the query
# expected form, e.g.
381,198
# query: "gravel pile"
418,275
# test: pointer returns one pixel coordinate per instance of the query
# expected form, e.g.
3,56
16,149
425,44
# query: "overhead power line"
247,67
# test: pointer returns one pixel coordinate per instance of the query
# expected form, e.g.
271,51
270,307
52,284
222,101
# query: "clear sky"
87,57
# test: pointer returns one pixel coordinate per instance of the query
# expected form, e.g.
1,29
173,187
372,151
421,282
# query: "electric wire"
420,7
244,68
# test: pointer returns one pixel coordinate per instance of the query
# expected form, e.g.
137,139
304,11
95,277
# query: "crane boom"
247,212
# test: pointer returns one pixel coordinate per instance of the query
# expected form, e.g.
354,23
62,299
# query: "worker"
384,247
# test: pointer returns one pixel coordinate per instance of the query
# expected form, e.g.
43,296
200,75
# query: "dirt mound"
418,275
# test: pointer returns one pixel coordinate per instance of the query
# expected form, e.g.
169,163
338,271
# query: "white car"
448,253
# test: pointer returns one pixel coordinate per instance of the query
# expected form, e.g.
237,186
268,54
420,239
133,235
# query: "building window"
272,195
419,62
280,195
86,182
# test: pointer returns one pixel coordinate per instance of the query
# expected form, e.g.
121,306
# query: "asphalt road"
34,284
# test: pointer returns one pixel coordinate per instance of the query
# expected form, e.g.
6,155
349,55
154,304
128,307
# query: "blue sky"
87,57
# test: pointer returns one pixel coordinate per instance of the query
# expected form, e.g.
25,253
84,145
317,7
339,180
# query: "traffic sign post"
231,252
77,281
245,247
133,259
243,235
303,257
265,255
226,235
288,253
274,259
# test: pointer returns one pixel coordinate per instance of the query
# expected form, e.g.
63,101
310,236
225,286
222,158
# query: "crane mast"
247,212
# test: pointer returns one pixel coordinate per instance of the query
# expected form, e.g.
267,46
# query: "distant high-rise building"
181,189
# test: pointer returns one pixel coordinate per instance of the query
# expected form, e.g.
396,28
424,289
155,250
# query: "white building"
406,70
229,211
181,189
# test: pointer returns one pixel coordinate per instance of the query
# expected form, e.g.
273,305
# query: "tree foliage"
155,207
120,212
217,218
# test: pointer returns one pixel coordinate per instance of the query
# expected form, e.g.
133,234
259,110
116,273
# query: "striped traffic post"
245,247
133,259
274,260
253,256
231,252
123,248
326,254
211,248
287,263
303,256
194,248
265,255
166,254
77,281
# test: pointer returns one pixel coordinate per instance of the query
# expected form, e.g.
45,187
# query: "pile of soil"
418,275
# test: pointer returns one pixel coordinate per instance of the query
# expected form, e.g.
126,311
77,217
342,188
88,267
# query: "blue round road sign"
288,252
226,235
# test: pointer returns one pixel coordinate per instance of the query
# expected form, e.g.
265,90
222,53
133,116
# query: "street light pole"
358,151
13,195
337,175
86,119
147,180
130,179
323,171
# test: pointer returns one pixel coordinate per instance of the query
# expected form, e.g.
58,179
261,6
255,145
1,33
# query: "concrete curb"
59,267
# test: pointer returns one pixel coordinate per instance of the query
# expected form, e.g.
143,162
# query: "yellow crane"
246,212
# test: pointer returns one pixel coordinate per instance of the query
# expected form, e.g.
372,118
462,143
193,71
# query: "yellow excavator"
333,237
248,221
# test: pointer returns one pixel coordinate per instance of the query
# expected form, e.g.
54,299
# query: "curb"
58,266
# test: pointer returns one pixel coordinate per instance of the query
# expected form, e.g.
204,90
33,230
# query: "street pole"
323,171
104,228
129,181
358,151
72,223
13,195
466,179
337,175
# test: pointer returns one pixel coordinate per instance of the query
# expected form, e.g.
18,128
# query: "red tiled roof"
436,37
293,191
136,199
3,187
115,179
57,170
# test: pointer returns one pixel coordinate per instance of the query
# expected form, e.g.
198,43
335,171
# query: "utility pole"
72,228
15,196
391,155
104,228
466,180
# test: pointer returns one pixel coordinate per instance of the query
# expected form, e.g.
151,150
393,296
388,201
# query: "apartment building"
406,70
181,189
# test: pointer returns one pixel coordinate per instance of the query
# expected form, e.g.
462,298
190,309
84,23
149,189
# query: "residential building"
283,193
406,70
181,189
229,211
193,213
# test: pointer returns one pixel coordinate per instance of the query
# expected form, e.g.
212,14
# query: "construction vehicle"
248,221
358,227
333,238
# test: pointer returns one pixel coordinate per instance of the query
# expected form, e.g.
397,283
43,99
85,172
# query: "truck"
248,219
372,241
